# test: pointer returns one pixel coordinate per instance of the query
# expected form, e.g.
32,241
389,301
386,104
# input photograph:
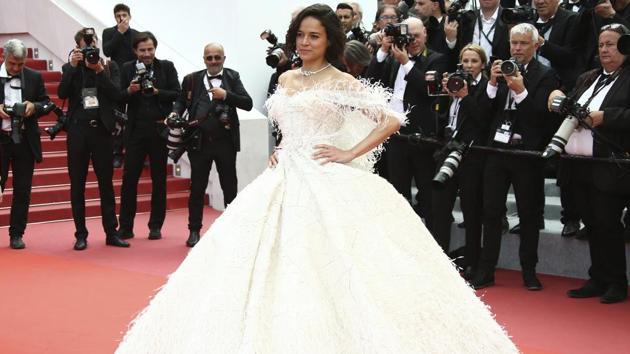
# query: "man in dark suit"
403,70
603,188
483,27
117,44
149,99
519,122
433,14
19,139
92,90
211,97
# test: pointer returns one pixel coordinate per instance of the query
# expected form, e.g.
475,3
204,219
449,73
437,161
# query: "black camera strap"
603,81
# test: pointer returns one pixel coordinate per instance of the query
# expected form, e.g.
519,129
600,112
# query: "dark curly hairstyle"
327,17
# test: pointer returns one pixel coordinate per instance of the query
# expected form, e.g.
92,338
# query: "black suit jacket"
421,117
118,46
500,41
237,97
472,115
33,90
531,119
611,177
561,48
108,91
165,80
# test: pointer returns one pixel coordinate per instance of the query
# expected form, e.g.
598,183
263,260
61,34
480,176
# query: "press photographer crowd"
497,94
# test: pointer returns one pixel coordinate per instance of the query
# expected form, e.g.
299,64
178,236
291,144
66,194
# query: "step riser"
60,176
62,194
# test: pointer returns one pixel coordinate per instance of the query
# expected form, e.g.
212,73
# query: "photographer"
92,87
467,124
483,27
385,15
602,189
517,91
22,99
403,70
433,14
149,87
345,14
117,44
211,97
356,58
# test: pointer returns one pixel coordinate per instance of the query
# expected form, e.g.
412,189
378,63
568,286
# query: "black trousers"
569,189
20,159
406,161
527,178
144,141
84,144
602,213
223,153
468,180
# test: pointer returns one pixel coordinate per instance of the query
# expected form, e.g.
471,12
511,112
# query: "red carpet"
56,300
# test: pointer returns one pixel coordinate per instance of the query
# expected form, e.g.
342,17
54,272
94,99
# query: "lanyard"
485,34
599,86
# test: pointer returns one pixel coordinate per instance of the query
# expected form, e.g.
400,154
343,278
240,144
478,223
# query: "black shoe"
155,234
482,279
468,273
571,228
516,230
80,244
582,234
461,225
125,234
16,242
118,161
531,282
615,293
114,240
193,238
590,289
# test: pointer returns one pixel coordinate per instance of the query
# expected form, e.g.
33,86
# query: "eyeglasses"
215,57
385,18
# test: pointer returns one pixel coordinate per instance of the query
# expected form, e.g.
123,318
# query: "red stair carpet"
50,196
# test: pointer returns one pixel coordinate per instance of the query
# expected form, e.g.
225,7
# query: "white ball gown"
313,258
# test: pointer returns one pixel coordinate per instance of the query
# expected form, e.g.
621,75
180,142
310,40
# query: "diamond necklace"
307,72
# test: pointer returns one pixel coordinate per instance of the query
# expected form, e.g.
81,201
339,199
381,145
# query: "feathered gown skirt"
316,259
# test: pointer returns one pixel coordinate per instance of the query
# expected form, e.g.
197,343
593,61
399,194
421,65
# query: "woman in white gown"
318,255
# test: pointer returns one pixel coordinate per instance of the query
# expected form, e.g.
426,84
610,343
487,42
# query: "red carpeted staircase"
50,196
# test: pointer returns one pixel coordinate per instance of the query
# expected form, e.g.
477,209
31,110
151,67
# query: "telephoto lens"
450,165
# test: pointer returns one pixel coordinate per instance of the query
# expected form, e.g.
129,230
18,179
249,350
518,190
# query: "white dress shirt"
215,82
12,93
396,103
581,141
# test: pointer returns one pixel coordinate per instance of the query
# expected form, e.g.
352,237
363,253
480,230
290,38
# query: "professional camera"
62,120
359,34
17,113
276,51
91,54
519,14
222,112
510,67
456,151
177,141
457,79
457,10
400,33
145,78
574,113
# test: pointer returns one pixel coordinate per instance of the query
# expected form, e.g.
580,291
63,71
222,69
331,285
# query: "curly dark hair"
334,32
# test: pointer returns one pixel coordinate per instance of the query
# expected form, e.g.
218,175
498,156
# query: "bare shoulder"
288,79
348,81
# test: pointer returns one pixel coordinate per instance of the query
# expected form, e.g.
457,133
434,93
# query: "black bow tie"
217,77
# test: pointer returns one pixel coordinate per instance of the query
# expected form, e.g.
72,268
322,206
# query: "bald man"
211,97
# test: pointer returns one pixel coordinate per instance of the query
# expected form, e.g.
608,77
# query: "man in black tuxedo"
117,44
19,139
433,14
211,97
603,188
92,90
519,122
403,70
149,99
483,27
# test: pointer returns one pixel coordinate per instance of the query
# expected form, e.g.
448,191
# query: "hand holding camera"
76,57
515,82
400,54
218,93
460,87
